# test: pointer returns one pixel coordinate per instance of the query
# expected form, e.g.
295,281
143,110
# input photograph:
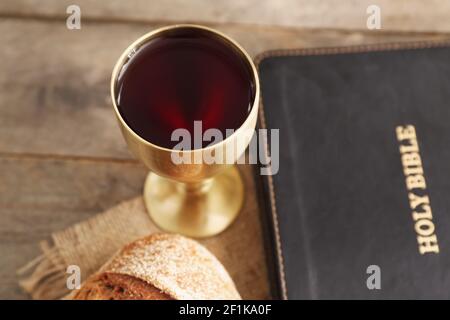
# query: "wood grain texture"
396,15
62,157
40,195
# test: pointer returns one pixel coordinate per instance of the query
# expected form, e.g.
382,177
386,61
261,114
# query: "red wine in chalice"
180,77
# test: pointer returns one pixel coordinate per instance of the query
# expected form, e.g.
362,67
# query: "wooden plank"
40,195
54,83
404,15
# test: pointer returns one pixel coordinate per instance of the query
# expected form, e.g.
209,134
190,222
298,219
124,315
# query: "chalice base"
200,210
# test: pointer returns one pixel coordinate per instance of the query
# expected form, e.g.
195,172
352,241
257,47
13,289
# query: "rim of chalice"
157,32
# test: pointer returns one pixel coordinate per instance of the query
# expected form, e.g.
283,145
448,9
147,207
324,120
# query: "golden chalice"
193,198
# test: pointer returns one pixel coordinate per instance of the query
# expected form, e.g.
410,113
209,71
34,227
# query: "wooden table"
62,157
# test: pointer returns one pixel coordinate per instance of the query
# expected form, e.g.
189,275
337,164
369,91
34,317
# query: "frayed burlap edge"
87,244
44,277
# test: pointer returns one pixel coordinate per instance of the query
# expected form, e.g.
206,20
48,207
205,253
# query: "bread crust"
161,266
114,286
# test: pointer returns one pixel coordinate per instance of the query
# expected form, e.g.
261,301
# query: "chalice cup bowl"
193,197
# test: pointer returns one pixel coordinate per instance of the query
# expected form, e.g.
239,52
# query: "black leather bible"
360,206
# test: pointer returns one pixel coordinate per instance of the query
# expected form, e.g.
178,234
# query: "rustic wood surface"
396,15
62,157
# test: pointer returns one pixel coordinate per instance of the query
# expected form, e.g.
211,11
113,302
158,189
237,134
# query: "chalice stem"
199,209
197,188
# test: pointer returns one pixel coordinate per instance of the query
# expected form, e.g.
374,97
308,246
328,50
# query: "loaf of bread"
160,267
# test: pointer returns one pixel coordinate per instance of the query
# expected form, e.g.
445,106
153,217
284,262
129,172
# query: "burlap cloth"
89,244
